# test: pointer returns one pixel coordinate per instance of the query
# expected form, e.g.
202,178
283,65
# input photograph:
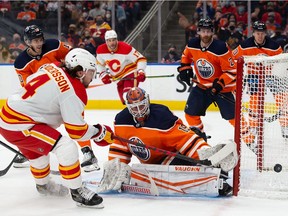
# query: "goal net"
261,127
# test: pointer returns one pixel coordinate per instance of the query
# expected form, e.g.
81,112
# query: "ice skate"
86,198
21,162
53,189
226,191
90,162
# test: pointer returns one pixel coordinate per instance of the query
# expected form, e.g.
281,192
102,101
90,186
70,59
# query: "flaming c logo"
114,65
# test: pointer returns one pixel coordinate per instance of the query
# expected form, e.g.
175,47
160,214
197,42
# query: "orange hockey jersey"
212,62
53,50
162,130
250,48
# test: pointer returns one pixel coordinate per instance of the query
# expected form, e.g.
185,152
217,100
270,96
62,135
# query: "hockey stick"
118,79
132,78
266,119
96,85
53,172
205,162
4,171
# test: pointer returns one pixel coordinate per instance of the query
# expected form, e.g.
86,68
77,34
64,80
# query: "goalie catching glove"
185,73
223,155
115,174
104,136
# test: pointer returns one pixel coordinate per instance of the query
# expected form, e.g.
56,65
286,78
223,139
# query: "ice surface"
18,195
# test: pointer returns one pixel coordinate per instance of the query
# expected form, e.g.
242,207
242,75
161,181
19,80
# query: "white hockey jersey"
51,97
124,61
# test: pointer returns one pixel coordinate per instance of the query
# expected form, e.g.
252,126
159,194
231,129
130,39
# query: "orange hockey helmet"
138,103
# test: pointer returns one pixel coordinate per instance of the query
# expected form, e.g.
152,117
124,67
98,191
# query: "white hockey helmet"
110,34
80,57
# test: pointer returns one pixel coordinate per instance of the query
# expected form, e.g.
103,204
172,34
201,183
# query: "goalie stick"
205,162
266,119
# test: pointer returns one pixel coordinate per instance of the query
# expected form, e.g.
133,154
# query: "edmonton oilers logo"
139,151
205,68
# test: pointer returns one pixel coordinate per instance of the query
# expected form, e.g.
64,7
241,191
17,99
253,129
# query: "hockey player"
120,62
157,125
258,44
53,96
215,71
39,52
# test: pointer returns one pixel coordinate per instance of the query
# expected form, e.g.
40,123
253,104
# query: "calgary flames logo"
139,151
114,65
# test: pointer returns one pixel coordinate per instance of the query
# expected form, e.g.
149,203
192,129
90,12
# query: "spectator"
241,15
280,38
4,53
271,12
121,21
73,38
190,27
108,17
27,14
5,56
97,10
99,28
16,47
229,7
210,9
171,55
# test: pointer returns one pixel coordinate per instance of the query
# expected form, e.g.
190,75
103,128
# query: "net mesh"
264,127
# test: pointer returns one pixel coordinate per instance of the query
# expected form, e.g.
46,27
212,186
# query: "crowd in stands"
231,20
83,23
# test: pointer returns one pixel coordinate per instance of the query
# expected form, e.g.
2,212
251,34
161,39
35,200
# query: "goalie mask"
138,103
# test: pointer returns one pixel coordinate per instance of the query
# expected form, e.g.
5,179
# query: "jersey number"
34,84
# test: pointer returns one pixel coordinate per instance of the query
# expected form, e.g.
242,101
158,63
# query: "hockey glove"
140,76
106,78
217,86
104,136
115,174
185,73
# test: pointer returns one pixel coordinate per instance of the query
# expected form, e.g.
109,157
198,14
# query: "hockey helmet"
138,103
110,34
259,26
31,32
205,23
80,57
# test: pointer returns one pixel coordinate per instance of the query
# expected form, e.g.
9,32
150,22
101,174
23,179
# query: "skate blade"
99,206
90,168
20,165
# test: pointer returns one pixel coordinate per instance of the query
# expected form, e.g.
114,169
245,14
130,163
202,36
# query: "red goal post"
261,111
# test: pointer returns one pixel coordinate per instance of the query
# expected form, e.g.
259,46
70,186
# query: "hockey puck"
277,168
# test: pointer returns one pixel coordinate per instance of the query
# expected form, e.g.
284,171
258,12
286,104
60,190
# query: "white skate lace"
86,193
